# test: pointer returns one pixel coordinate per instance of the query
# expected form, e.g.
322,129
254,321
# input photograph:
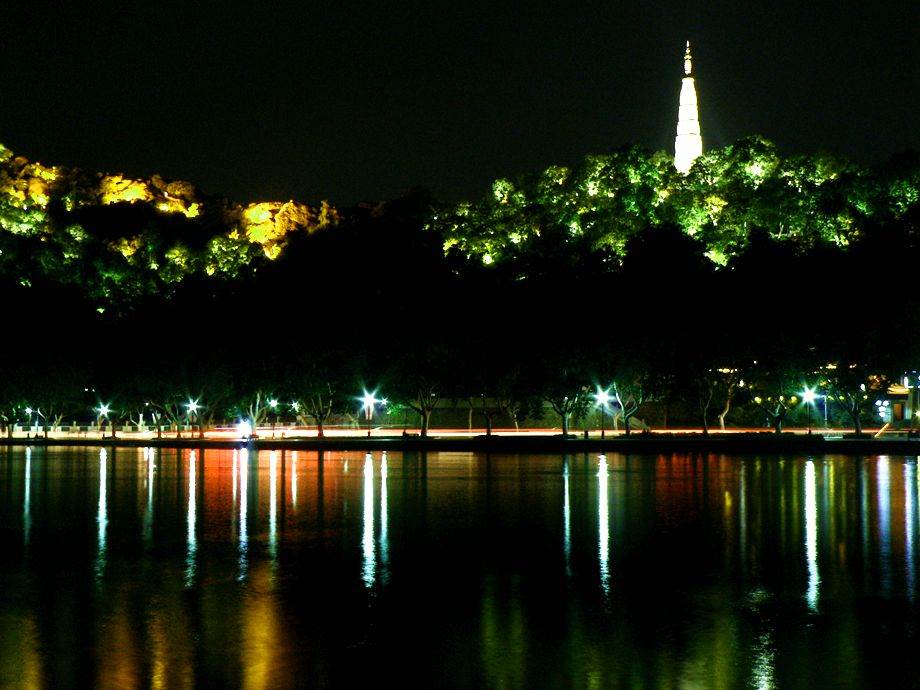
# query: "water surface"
165,568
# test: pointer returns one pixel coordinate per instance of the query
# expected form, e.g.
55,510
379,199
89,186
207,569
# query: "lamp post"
103,411
273,403
191,409
808,397
601,399
368,402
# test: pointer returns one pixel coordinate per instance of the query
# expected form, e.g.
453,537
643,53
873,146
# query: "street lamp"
601,399
244,429
368,402
103,411
273,403
808,397
191,408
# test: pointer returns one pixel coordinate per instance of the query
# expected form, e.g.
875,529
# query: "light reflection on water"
369,568
713,555
603,523
294,479
191,543
910,522
811,535
566,518
884,521
27,499
102,519
384,540
243,481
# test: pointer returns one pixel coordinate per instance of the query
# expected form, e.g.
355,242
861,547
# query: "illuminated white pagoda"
688,145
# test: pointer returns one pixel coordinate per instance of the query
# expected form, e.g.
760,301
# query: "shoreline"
653,443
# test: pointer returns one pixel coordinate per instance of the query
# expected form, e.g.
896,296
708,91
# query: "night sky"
349,102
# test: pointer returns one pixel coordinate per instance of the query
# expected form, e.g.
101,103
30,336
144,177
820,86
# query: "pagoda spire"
688,145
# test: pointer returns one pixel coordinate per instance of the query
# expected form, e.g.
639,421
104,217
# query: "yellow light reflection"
811,535
603,525
367,540
742,516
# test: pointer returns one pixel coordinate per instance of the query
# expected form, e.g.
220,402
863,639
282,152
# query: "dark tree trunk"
728,406
565,424
426,418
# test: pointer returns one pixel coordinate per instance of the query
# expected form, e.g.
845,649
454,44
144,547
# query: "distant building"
688,145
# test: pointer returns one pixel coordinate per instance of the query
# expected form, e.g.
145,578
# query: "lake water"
134,567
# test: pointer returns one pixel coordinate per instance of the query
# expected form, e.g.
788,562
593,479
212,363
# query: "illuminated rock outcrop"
30,187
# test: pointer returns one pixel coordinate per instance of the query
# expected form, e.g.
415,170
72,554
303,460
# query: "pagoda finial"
688,64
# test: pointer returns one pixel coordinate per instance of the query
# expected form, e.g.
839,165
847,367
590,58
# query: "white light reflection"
383,539
762,671
27,499
566,518
367,541
236,473
884,520
811,535
603,525
910,519
244,535
148,512
294,479
191,543
273,505
102,520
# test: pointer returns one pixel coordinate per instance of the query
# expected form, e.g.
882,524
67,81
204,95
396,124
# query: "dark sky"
350,102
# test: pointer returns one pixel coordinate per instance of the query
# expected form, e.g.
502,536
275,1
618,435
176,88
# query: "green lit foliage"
731,191
598,205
